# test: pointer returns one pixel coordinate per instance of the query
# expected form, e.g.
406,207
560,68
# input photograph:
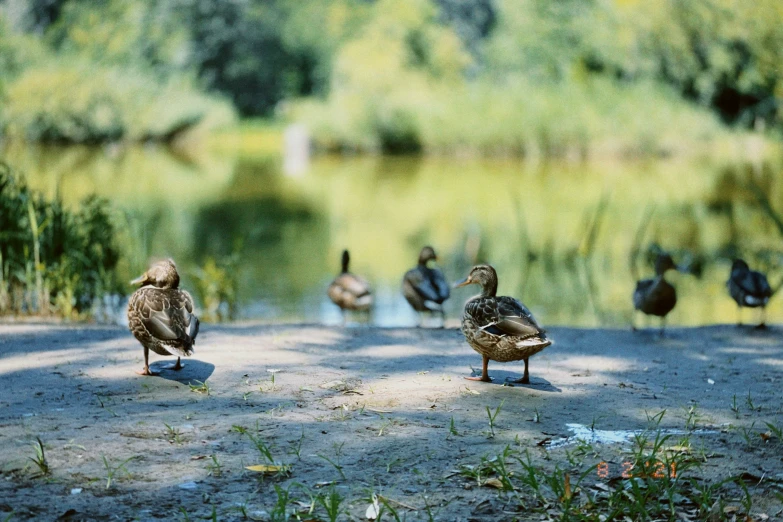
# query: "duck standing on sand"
160,315
656,296
349,291
499,328
426,288
748,288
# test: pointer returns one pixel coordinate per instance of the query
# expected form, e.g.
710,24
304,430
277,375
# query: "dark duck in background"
656,296
425,288
748,288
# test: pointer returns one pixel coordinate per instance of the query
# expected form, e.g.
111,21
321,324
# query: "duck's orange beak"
465,282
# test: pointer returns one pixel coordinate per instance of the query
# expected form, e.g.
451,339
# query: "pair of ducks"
656,296
424,287
499,328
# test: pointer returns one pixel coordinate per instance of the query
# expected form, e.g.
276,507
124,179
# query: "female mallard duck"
349,291
426,288
748,288
499,328
160,315
656,296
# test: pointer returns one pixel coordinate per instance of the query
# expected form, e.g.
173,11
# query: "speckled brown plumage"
160,315
499,328
349,291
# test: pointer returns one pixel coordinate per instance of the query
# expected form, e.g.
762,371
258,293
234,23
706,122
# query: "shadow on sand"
504,378
192,370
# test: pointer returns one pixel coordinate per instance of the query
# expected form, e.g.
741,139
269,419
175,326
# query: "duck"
349,291
656,296
748,288
425,288
160,315
499,328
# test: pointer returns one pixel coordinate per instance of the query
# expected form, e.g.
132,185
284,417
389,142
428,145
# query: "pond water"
560,234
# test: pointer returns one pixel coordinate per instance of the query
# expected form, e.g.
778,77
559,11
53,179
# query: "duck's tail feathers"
752,300
364,301
541,341
193,329
185,350
432,306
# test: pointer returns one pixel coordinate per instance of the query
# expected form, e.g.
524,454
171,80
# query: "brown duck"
500,328
349,291
160,315
656,296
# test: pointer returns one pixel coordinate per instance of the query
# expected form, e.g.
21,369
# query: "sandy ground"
388,407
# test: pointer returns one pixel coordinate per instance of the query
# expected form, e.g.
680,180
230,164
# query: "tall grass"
53,261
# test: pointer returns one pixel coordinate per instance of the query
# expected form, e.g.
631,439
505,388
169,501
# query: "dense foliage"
395,75
553,77
53,260
88,72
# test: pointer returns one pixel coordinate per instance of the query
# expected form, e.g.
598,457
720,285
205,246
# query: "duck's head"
663,263
427,254
162,274
483,275
739,266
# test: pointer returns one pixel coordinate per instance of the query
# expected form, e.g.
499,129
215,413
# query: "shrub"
80,102
53,260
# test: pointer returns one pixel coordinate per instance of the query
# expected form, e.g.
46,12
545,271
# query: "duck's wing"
514,318
422,284
756,284
168,315
641,292
644,285
353,284
439,284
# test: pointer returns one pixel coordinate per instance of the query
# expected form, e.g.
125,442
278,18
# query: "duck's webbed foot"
146,370
484,374
482,378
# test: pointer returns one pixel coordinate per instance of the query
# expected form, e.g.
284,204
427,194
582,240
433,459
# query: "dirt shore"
349,413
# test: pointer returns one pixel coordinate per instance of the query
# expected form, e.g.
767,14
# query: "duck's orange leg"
484,374
146,370
525,379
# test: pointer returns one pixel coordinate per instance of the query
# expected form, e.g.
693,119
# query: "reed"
53,261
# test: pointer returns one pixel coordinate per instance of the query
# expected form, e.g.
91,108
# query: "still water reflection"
559,234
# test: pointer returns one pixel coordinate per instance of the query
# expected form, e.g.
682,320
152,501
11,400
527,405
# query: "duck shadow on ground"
192,370
504,378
